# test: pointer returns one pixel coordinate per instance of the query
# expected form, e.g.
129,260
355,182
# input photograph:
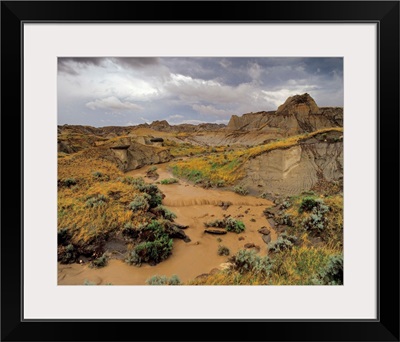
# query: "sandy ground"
193,206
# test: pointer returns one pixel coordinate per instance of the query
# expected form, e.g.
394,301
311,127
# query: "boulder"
215,231
181,226
264,231
266,238
174,232
271,222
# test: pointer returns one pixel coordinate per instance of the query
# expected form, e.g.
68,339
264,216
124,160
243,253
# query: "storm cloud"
103,91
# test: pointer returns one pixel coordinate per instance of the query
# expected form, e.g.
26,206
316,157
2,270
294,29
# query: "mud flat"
193,206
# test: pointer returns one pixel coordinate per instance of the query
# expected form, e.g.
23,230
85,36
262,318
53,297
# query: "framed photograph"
219,165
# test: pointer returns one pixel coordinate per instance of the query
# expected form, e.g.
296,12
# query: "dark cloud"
136,62
71,65
271,71
229,71
83,60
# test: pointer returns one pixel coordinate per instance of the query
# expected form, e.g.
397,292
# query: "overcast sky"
113,91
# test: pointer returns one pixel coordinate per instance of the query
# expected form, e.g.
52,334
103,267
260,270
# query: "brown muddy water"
193,206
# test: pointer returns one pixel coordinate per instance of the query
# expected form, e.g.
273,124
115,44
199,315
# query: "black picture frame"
15,328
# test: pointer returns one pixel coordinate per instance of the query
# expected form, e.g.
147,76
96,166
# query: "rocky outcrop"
164,126
108,131
333,114
299,168
297,115
298,105
133,155
249,121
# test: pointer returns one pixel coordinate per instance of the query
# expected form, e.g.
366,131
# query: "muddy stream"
193,206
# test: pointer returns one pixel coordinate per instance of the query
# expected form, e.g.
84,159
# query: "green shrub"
240,190
174,280
99,262
169,181
100,176
229,223
317,221
285,204
67,255
140,202
164,212
223,250
68,182
332,273
157,245
285,219
151,251
96,201
150,189
163,280
157,280
247,260
233,225
308,203
153,231
152,168
88,282
133,181
284,242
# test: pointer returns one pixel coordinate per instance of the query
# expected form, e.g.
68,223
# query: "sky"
125,91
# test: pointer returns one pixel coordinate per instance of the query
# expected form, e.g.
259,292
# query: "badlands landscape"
258,201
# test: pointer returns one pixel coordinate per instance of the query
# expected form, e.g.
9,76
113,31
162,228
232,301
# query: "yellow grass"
86,223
